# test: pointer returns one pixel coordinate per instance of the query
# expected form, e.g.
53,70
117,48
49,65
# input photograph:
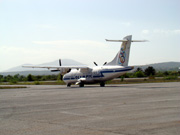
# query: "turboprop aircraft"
81,75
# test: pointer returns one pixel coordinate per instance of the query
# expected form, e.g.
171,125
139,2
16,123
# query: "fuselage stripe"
101,72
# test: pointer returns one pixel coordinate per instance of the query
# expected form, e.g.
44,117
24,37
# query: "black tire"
81,85
102,84
68,85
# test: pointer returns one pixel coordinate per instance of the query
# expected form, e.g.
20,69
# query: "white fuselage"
96,74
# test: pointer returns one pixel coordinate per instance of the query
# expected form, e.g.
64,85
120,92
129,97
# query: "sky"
40,31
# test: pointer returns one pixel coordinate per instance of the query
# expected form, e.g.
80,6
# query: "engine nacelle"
64,71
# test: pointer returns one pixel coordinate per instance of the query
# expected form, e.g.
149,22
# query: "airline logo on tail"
122,54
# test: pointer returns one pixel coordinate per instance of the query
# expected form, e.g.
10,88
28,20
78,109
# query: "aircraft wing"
58,67
62,69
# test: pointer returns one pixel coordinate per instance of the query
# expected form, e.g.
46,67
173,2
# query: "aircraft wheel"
68,85
102,84
81,85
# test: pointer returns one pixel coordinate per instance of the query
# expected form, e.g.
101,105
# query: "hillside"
39,71
165,66
64,62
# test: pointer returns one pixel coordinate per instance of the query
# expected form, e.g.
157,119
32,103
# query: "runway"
132,109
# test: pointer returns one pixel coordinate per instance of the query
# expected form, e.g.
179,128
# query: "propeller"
68,70
58,70
60,65
59,62
95,64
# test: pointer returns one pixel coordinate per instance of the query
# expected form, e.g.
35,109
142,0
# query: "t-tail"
122,57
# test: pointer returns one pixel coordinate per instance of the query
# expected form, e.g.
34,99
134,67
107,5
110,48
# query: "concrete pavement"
133,109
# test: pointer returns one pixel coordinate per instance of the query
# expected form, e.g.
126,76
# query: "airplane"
81,75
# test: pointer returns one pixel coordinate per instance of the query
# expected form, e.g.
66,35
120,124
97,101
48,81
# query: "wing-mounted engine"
61,70
65,70
85,70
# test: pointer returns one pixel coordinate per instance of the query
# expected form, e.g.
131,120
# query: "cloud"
176,31
45,51
26,53
126,24
71,43
46,26
12,56
161,31
145,31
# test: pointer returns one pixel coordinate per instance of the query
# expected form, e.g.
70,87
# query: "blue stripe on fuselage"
112,71
101,72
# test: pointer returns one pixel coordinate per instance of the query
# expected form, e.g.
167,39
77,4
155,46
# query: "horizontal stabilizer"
139,41
58,67
122,57
124,40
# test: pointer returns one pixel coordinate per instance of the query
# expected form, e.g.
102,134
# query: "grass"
12,87
148,80
170,77
116,81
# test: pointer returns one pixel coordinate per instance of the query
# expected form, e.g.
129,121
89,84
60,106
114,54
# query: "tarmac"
128,109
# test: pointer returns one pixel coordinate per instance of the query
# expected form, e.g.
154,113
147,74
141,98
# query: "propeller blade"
59,62
55,70
105,63
95,64
69,71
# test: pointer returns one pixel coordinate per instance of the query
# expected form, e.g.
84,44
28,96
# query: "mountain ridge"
65,62
162,66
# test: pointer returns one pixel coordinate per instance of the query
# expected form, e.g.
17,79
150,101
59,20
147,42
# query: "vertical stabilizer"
122,57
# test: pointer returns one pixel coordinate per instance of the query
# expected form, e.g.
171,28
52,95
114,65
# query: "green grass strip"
12,87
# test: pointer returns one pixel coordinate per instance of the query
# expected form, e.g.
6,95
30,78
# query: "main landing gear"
102,84
81,84
68,85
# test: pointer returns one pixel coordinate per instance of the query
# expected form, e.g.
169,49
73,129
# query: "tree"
16,76
29,77
139,74
139,69
1,76
150,71
166,73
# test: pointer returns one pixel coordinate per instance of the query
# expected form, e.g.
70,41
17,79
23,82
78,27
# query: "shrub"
122,78
36,82
139,74
171,78
13,81
29,77
150,71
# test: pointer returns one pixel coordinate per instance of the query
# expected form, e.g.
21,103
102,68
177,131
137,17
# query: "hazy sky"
40,31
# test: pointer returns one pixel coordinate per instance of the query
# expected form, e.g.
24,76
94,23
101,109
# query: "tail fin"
122,57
